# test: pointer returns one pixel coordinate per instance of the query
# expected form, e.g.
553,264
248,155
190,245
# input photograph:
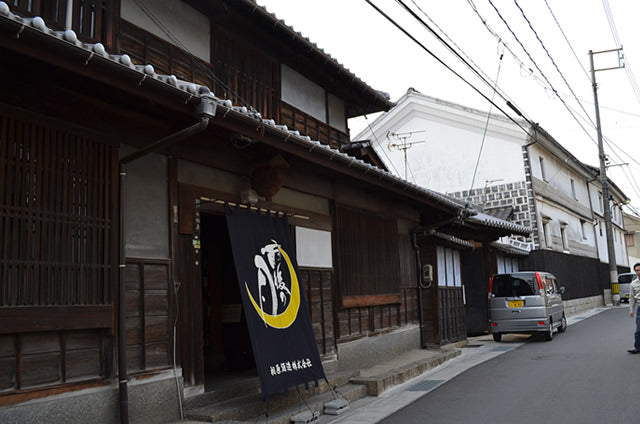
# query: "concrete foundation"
369,351
152,400
576,306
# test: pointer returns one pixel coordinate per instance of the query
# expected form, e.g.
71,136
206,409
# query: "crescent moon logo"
289,315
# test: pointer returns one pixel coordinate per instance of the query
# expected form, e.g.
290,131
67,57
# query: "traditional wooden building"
125,128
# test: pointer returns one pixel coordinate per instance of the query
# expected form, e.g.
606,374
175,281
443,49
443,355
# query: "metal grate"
501,348
425,386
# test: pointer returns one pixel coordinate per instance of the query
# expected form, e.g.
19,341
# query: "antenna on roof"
403,145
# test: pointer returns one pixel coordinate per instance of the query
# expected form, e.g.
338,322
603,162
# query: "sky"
545,68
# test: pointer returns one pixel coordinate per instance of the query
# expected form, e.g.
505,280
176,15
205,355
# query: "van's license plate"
516,303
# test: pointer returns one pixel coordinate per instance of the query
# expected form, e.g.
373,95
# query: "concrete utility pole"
613,268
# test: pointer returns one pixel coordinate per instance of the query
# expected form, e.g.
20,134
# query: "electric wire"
567,40
550,58
632,181
506,46
380,144
557,94
484,134
616,38
529,56
612,146
415,40
476,68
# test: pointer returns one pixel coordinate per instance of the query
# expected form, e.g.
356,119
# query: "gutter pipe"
205,111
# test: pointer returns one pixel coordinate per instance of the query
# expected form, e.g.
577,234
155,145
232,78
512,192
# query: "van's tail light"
541,323
540,285
490,285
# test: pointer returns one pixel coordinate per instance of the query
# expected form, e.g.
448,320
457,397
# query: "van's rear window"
626,278
508,285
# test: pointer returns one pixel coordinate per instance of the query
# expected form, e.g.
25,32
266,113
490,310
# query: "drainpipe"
416,248
206,110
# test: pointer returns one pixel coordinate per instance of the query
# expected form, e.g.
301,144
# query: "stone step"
216,406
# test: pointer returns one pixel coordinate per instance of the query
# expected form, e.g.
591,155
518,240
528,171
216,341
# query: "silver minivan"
525,302
624,282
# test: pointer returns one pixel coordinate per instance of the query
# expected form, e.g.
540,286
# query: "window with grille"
55,222
367,258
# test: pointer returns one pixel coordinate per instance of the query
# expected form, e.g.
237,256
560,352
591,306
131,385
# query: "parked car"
624,280
525,302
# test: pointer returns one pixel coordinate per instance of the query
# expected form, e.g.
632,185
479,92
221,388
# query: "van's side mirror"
562,290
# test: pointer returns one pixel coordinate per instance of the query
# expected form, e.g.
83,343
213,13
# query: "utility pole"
613,268
404,146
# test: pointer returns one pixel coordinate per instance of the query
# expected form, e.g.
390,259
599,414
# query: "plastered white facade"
179,21
547,188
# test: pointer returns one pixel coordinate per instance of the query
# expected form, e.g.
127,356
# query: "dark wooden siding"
244,73
358,322
476,270
581,277
367,257
145,48
44,359
57,255
55,218
317,285
363,321
238,71
295,119
148,315
452,317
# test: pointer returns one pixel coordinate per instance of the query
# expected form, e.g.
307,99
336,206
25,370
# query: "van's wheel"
497,337
549,334
563,325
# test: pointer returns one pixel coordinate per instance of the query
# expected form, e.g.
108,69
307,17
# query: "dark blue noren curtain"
283,342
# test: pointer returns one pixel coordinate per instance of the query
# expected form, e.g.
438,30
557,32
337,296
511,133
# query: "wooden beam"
54,318
372,300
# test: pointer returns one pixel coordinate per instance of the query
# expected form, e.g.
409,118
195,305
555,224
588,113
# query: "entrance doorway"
227,346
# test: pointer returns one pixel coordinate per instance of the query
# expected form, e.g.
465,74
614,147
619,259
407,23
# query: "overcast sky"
371,47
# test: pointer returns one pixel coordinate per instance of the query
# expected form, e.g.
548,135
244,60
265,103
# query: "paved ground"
479,349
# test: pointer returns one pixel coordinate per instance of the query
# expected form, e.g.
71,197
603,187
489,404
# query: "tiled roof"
380,95
509,249
502,212
97,51
451,239
492,221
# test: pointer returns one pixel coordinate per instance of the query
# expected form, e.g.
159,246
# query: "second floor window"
542,171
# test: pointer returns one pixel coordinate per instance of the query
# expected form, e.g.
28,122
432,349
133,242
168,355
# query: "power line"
484,134
444,64
551,58
631,179
506,46
379,144
538,68
567,40
616,38
475,68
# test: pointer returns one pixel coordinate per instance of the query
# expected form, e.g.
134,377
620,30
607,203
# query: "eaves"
93,60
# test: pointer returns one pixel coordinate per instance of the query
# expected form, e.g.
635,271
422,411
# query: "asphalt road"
584,375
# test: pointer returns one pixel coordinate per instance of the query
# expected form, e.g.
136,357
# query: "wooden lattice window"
367,258
56,245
